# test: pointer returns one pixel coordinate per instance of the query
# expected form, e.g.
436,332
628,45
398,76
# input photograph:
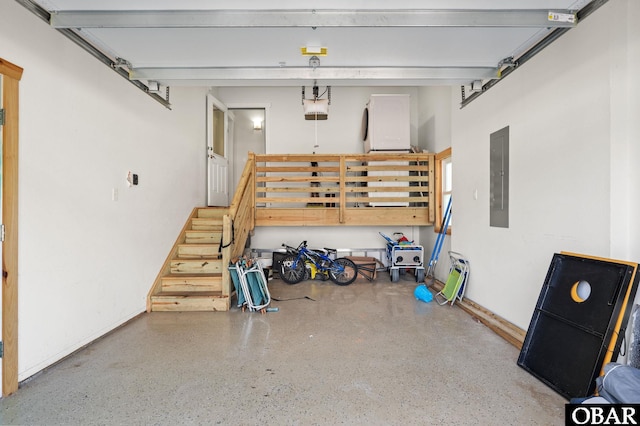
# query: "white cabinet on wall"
387,123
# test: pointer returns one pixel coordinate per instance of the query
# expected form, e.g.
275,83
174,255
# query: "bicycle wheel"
292,270
343,271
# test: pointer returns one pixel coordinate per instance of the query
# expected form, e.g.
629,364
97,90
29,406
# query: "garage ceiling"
246,43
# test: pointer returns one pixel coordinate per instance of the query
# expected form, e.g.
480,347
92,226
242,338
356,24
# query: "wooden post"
252,185
432,188
227,235
343,195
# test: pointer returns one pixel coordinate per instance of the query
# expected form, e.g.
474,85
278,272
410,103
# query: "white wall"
573,125
87,262
288,132
625,131
625,134
434,109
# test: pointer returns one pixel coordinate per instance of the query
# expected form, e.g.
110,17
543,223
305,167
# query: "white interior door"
217,153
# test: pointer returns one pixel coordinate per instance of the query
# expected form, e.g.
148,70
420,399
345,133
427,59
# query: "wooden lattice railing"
344,189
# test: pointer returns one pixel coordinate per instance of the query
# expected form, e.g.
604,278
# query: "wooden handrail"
242,208
244,187
239,223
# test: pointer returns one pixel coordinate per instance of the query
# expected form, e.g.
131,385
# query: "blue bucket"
422,293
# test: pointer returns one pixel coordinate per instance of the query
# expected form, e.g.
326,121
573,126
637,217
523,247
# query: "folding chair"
456,282
251,285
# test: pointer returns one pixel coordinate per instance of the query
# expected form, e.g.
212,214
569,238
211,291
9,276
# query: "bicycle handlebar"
304,244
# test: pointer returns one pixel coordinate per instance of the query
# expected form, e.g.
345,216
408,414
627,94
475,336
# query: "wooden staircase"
192,276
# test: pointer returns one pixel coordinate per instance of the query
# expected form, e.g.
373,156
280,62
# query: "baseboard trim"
503,328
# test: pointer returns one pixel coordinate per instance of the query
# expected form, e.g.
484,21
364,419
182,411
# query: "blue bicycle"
301,263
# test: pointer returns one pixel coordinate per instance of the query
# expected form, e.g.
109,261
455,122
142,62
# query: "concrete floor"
368,353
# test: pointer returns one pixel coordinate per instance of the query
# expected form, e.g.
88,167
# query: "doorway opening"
249,135
233,130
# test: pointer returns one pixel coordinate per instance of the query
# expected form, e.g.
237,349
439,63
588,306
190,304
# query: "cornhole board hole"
579,321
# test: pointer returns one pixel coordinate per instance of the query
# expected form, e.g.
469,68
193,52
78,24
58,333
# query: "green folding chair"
456,282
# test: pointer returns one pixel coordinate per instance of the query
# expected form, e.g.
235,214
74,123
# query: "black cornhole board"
567,341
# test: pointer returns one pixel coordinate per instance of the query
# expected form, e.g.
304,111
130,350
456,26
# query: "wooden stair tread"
194,294
199,236
209,220
195,283
183,301
212,212
198,250
206,258
186,256
194,276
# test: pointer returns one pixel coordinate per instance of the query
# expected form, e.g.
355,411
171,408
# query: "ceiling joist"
305,73
537,18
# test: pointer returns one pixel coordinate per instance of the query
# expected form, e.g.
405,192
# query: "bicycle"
341,271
